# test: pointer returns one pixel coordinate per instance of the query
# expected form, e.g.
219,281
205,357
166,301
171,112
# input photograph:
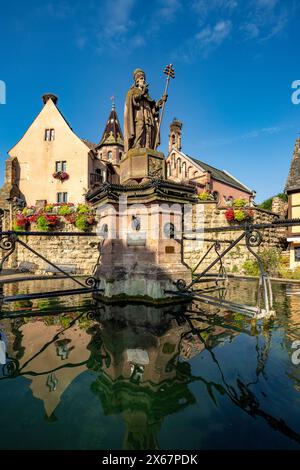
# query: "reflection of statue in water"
141,115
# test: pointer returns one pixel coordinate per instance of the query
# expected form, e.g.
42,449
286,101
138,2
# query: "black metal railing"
253,237
8,242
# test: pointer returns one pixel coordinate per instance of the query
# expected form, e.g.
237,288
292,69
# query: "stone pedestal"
141,164
142,246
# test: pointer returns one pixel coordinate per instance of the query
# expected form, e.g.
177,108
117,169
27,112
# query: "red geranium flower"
51,219
229,214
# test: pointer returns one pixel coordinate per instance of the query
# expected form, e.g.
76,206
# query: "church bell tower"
175,135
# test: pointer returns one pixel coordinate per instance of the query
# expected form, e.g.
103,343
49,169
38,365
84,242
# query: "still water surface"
81,375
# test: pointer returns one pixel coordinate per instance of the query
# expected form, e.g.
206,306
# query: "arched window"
169,230
136,223
173,139
184,169
173,160
179,165
216,196
109,156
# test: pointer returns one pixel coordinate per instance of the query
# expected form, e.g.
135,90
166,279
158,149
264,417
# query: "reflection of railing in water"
239,393
253,239
8,243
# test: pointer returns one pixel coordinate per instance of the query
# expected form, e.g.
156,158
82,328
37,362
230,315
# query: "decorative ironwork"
91,282
11,368
181,285
7,243
253,238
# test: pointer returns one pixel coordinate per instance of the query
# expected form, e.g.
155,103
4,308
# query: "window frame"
61,197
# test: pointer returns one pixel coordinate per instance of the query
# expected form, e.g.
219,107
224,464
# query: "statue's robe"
144,109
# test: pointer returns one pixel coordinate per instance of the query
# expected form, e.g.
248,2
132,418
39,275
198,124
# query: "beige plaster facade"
37,159
50,145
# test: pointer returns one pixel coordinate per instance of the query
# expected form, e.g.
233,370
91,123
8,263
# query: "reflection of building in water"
145,378
46,349
142,380
138,356
138,353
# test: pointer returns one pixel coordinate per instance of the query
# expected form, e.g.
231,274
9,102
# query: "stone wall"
81,251
279,206
235,259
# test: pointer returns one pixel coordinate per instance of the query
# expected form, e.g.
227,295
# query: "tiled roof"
293,180
112,134
91,145
221,175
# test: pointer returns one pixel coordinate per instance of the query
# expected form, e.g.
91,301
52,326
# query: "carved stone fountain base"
141,164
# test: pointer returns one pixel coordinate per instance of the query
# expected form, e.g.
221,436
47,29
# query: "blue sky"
235,61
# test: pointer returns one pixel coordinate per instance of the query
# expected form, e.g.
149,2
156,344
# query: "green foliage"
49,208
204,335
234,269
239,215
283,197
238,317
168,348
42,224
270,258
267,204
289,274
204,196
250,268
17,228
23,304
83,208
81,222
65,210
239,203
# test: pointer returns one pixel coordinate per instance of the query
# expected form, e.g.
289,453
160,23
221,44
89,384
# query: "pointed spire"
112,134
293,180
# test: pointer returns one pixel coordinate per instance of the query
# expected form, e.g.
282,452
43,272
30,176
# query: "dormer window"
49,134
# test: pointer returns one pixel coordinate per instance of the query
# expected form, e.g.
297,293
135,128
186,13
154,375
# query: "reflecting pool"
79,374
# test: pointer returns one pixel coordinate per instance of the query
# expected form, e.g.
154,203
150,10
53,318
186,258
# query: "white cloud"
117,17
169,9
265,4
265,19
204,7
211,37
204,42
251,30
